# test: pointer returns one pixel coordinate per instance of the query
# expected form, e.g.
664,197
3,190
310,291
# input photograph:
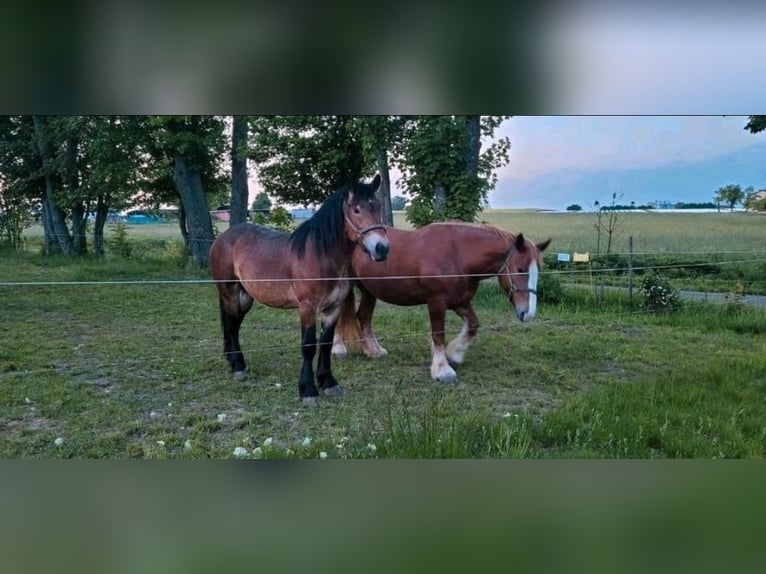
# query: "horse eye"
357,210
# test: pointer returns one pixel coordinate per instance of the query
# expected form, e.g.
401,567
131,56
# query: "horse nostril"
521,315
381,251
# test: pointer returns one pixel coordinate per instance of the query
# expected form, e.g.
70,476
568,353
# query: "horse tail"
347,329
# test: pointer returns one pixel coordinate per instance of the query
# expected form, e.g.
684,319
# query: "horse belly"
273,294
401,292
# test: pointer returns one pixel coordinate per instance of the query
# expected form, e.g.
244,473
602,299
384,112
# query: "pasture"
132,366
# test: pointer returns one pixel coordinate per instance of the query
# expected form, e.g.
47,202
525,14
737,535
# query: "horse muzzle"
376,248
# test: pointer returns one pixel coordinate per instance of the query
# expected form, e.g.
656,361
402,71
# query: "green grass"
134,370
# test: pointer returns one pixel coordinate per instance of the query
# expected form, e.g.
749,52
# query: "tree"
303,159
194,145
756,124
730,194
444,171
398,203
262,202
753,203
574,207
609,221
239,189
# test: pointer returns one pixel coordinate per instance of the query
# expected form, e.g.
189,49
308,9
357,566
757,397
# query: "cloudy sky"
561,159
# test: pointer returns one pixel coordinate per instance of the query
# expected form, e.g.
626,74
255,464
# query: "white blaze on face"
532,285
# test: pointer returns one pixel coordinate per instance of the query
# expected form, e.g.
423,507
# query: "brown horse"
307,269
440,265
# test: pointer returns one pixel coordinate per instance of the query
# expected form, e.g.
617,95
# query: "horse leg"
234,303
347,326
459,345
327,383
306,388
370,344
440,368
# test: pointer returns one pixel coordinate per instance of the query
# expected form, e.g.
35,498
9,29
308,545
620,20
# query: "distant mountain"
694,181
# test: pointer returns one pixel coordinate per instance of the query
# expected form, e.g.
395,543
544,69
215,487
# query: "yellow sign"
581,257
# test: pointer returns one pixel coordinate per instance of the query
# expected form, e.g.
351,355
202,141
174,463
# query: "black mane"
326,228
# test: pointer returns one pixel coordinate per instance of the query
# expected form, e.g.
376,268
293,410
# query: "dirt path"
759,300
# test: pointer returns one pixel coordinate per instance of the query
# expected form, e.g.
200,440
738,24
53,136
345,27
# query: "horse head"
519,274
364,224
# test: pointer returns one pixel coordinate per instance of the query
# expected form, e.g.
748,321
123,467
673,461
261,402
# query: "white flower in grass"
59,441
160,443
240,452
506,415
221,417
307,441
372,447
289,452
187,445
323,455
258,452
268,441
278,385
27,400
153,414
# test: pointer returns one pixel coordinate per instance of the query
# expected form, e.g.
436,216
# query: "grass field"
134,370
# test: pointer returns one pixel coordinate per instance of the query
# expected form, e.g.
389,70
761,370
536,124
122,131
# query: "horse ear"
375,182
543,245
520,244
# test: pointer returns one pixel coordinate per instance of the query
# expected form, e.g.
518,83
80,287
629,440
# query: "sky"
693,153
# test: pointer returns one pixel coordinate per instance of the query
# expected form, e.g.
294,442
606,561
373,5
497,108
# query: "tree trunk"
440,202
50,243
385,187
78,214
56,216
200,227
79,217
182,224
102,210
239,189
473,145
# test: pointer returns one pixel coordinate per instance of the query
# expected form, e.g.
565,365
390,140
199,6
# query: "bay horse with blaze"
307,269
441,265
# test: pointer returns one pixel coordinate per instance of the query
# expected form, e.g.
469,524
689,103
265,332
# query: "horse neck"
494,245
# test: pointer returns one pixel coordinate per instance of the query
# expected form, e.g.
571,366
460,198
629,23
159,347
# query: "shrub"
118,243
549,289
658,295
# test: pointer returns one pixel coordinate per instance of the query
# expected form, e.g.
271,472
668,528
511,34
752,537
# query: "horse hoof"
239,375
446,378
335,392
311,401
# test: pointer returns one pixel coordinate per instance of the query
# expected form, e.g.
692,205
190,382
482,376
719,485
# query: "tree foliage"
303,159
731,195
262,202
756,124
444,173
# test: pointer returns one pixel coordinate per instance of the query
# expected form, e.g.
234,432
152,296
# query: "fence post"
630,270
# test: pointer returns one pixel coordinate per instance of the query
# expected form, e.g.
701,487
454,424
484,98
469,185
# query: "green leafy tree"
730,194
574,207
262,202
190,148
303,159
444,171
756,124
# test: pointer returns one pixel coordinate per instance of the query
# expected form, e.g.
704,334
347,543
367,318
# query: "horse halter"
360,232
507,266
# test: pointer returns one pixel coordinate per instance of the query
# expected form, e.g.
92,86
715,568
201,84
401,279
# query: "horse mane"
502,233
326,228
